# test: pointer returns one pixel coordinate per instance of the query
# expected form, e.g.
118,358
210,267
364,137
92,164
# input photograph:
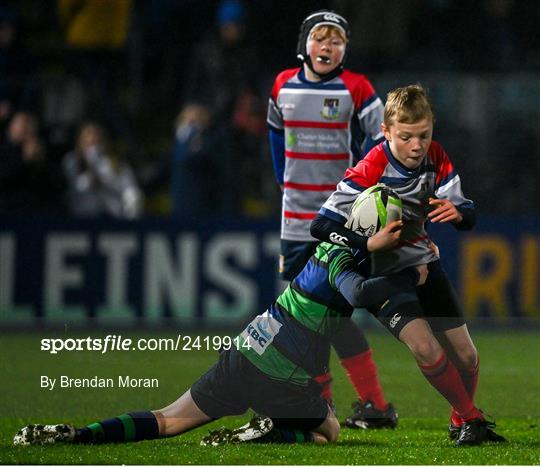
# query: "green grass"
509,390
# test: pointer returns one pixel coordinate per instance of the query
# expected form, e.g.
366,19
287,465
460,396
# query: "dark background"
480,61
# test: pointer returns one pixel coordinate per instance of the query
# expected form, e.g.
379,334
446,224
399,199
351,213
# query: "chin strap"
325,76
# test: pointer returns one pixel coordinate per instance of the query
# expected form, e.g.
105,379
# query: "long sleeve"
277,147
361,292
329,230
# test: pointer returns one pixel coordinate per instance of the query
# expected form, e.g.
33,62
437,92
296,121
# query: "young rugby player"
273,373
319,114
430,322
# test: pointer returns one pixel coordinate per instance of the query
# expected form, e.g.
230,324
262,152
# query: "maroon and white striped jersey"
324,125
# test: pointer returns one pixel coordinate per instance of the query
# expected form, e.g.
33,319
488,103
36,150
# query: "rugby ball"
373,209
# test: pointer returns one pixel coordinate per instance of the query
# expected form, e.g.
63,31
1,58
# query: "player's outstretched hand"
444,211
386,238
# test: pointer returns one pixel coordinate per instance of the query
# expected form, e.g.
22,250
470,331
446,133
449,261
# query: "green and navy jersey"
290,340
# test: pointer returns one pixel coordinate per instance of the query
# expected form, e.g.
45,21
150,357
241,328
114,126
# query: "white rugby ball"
373,209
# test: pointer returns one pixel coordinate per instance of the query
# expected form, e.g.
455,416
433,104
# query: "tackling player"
430,322
271,373
318,116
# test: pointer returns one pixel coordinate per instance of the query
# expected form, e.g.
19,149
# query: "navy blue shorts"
234,385
439,300
294,256
435,301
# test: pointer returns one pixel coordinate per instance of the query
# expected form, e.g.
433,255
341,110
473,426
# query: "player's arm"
276,134
369,110
361,291
370,117
370,142
277,148
449,203
333,231
444,210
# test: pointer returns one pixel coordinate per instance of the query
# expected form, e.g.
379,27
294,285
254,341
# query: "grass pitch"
509,389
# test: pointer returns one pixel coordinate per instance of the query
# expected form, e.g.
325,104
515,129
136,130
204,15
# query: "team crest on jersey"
330,109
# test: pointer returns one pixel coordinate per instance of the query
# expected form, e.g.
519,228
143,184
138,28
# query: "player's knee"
426,352
329,430
468,357
334,436
333,432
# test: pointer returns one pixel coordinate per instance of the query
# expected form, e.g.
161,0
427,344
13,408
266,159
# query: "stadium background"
208,204
198,253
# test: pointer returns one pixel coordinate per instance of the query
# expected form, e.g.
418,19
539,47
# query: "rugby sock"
455,418
279,435
444,377
362,372
134,426
470,381
326,384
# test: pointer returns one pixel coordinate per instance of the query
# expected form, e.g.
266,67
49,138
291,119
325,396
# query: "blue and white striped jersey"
436,177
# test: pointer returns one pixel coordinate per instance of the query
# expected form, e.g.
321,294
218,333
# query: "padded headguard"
313,20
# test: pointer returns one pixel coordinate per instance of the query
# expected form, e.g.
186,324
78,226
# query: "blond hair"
408,104
325,31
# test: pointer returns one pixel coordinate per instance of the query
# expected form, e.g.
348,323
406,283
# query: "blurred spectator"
230,155
27,180
202,51
223,80
99,183
225,64
249,161
18,68
163,35
192,163
96,33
